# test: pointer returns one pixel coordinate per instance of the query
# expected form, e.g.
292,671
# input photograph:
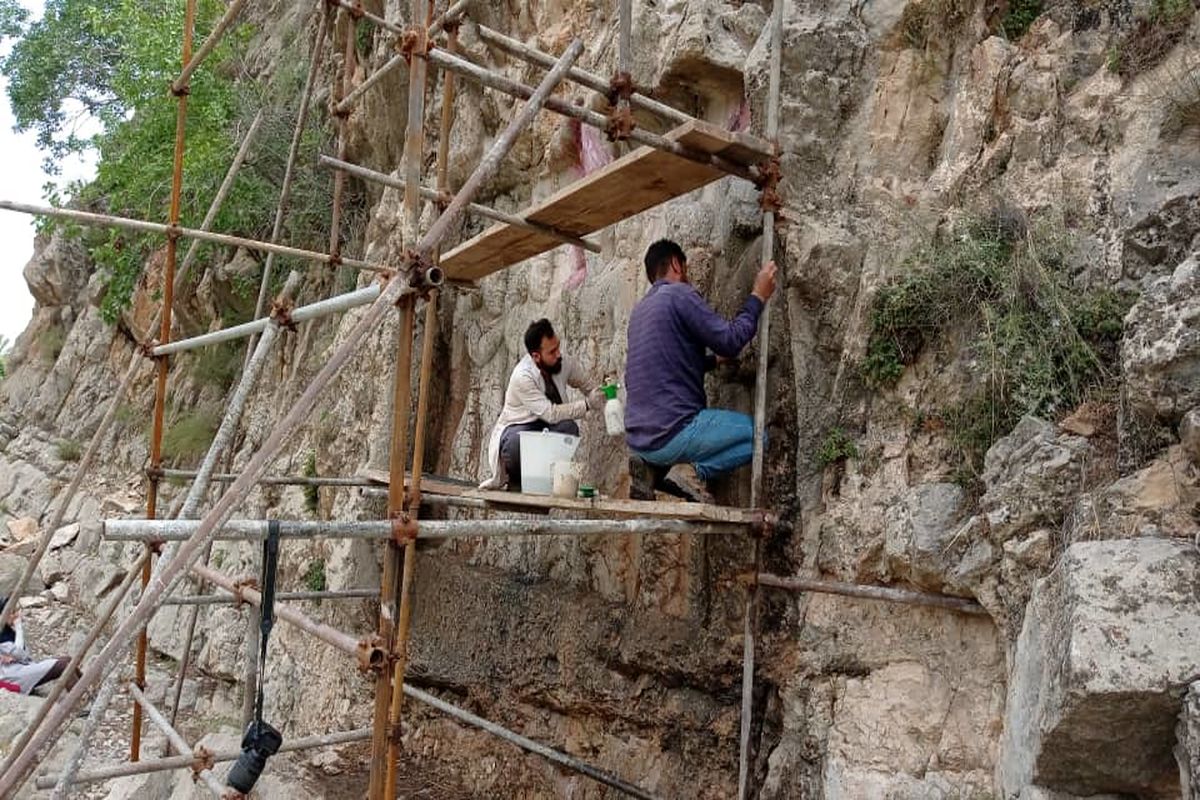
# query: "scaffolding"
691,155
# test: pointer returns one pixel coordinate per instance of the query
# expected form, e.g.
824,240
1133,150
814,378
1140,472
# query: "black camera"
260,743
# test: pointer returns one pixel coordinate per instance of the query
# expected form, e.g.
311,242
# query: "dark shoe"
643,478
682,481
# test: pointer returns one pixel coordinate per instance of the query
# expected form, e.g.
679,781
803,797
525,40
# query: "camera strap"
270,565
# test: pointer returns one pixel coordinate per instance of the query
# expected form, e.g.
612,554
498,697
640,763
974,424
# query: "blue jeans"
715,442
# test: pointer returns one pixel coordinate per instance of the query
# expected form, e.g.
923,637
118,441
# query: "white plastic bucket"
539,451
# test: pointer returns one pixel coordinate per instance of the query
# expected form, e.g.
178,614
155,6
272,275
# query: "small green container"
587,492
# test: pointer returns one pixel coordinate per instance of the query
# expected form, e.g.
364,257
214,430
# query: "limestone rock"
920,534
1189,435
64,536
94,578
1109,637
1187,748
11,567
1157,500
142,787
1032,476
22,529
1160,353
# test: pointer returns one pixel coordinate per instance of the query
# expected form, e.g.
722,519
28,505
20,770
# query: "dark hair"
658,258
8,633
537,333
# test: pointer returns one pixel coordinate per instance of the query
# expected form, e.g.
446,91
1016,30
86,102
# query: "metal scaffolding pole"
164,335
109,221
448,20
883,593
579,75
190,761
624,80
276,480
222,442
180,86
177,742
223,600
527,744
322,308
191,551
474,208
500,83
285,191
369,654
181,530
751,619
384,737
339,180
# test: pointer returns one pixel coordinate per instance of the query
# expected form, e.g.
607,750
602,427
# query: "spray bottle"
614,411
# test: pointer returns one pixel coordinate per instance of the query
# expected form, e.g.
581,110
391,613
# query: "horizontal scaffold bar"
274,480
224,599
884,593
322,308
109,221
168,530
187,762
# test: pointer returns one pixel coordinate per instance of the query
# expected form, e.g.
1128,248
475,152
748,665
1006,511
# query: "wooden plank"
628,186
608,507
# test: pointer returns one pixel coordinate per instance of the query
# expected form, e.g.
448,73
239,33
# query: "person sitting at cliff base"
533,401
678,443
19,673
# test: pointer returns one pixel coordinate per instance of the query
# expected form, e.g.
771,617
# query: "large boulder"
1160,353
1109,639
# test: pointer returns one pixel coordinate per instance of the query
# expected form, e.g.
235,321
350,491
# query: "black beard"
557,368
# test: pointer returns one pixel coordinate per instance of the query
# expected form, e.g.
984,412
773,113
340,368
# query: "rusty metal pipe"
751,618
222,600
369,655
164,335
883,593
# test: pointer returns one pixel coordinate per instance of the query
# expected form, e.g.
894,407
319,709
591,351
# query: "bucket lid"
610,391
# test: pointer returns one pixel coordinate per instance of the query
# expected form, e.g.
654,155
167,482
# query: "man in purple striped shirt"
668,424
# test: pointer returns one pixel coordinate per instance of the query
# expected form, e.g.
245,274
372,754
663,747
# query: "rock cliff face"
897,118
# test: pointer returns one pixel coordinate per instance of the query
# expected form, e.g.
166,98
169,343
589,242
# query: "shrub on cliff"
1039,344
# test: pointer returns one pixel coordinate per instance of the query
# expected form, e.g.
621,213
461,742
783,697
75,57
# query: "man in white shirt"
533,401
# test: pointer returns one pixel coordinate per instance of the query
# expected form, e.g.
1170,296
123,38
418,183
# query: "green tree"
113,61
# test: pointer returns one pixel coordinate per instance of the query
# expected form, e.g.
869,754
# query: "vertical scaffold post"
750,621
164,335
